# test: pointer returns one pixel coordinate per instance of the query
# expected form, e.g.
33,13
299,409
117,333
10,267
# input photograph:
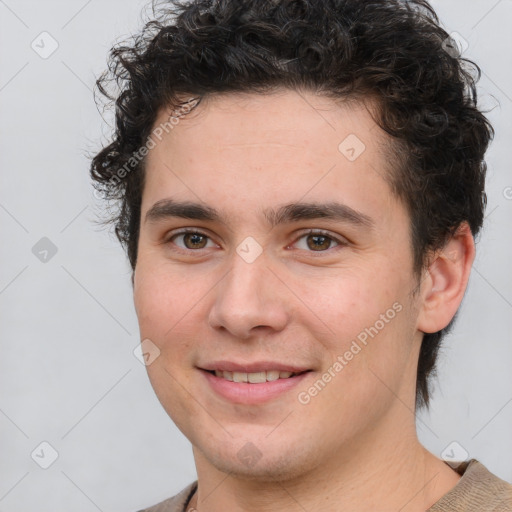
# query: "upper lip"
257,366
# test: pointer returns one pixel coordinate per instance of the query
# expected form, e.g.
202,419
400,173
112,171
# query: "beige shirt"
478,490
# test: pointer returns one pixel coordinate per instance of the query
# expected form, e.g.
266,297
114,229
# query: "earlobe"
446,280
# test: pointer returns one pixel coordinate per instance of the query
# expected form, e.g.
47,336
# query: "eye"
191,240
318,241
313,241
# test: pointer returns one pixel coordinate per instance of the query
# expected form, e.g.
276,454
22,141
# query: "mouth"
252,388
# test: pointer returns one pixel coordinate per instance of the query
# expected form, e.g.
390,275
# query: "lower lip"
246,393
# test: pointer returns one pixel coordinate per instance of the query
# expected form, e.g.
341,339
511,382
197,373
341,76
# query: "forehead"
263,147
282,117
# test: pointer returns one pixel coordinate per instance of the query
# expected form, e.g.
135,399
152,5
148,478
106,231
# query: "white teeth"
239,377
253,378
272,375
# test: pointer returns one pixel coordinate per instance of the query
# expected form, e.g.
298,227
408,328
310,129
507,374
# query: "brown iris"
320,242
197,241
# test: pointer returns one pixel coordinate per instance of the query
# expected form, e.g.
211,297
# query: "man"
300,185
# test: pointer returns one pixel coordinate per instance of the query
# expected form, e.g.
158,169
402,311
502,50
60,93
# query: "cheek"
368,364
369,337
171,309
162,297
151,302
162,309
346,302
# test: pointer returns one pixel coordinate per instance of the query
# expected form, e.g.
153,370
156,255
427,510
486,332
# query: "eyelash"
341,243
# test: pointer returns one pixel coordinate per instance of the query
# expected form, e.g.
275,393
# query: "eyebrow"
293,212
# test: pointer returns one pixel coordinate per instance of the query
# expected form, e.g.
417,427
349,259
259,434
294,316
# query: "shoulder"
478,490
176,503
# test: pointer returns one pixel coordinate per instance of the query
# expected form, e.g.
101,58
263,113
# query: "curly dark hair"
393,51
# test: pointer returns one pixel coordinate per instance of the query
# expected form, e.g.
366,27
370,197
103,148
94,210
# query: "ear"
445,281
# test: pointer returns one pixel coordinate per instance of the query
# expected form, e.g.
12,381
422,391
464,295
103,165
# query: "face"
297,255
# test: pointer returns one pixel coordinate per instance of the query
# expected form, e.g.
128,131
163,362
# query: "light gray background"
68,328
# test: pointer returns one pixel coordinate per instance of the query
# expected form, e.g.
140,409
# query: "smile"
252,388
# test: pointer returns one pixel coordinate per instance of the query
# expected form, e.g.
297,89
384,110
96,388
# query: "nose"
249,300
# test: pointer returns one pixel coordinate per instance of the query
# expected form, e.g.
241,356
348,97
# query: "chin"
262,464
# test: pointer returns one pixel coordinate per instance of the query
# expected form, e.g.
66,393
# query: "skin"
354,445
